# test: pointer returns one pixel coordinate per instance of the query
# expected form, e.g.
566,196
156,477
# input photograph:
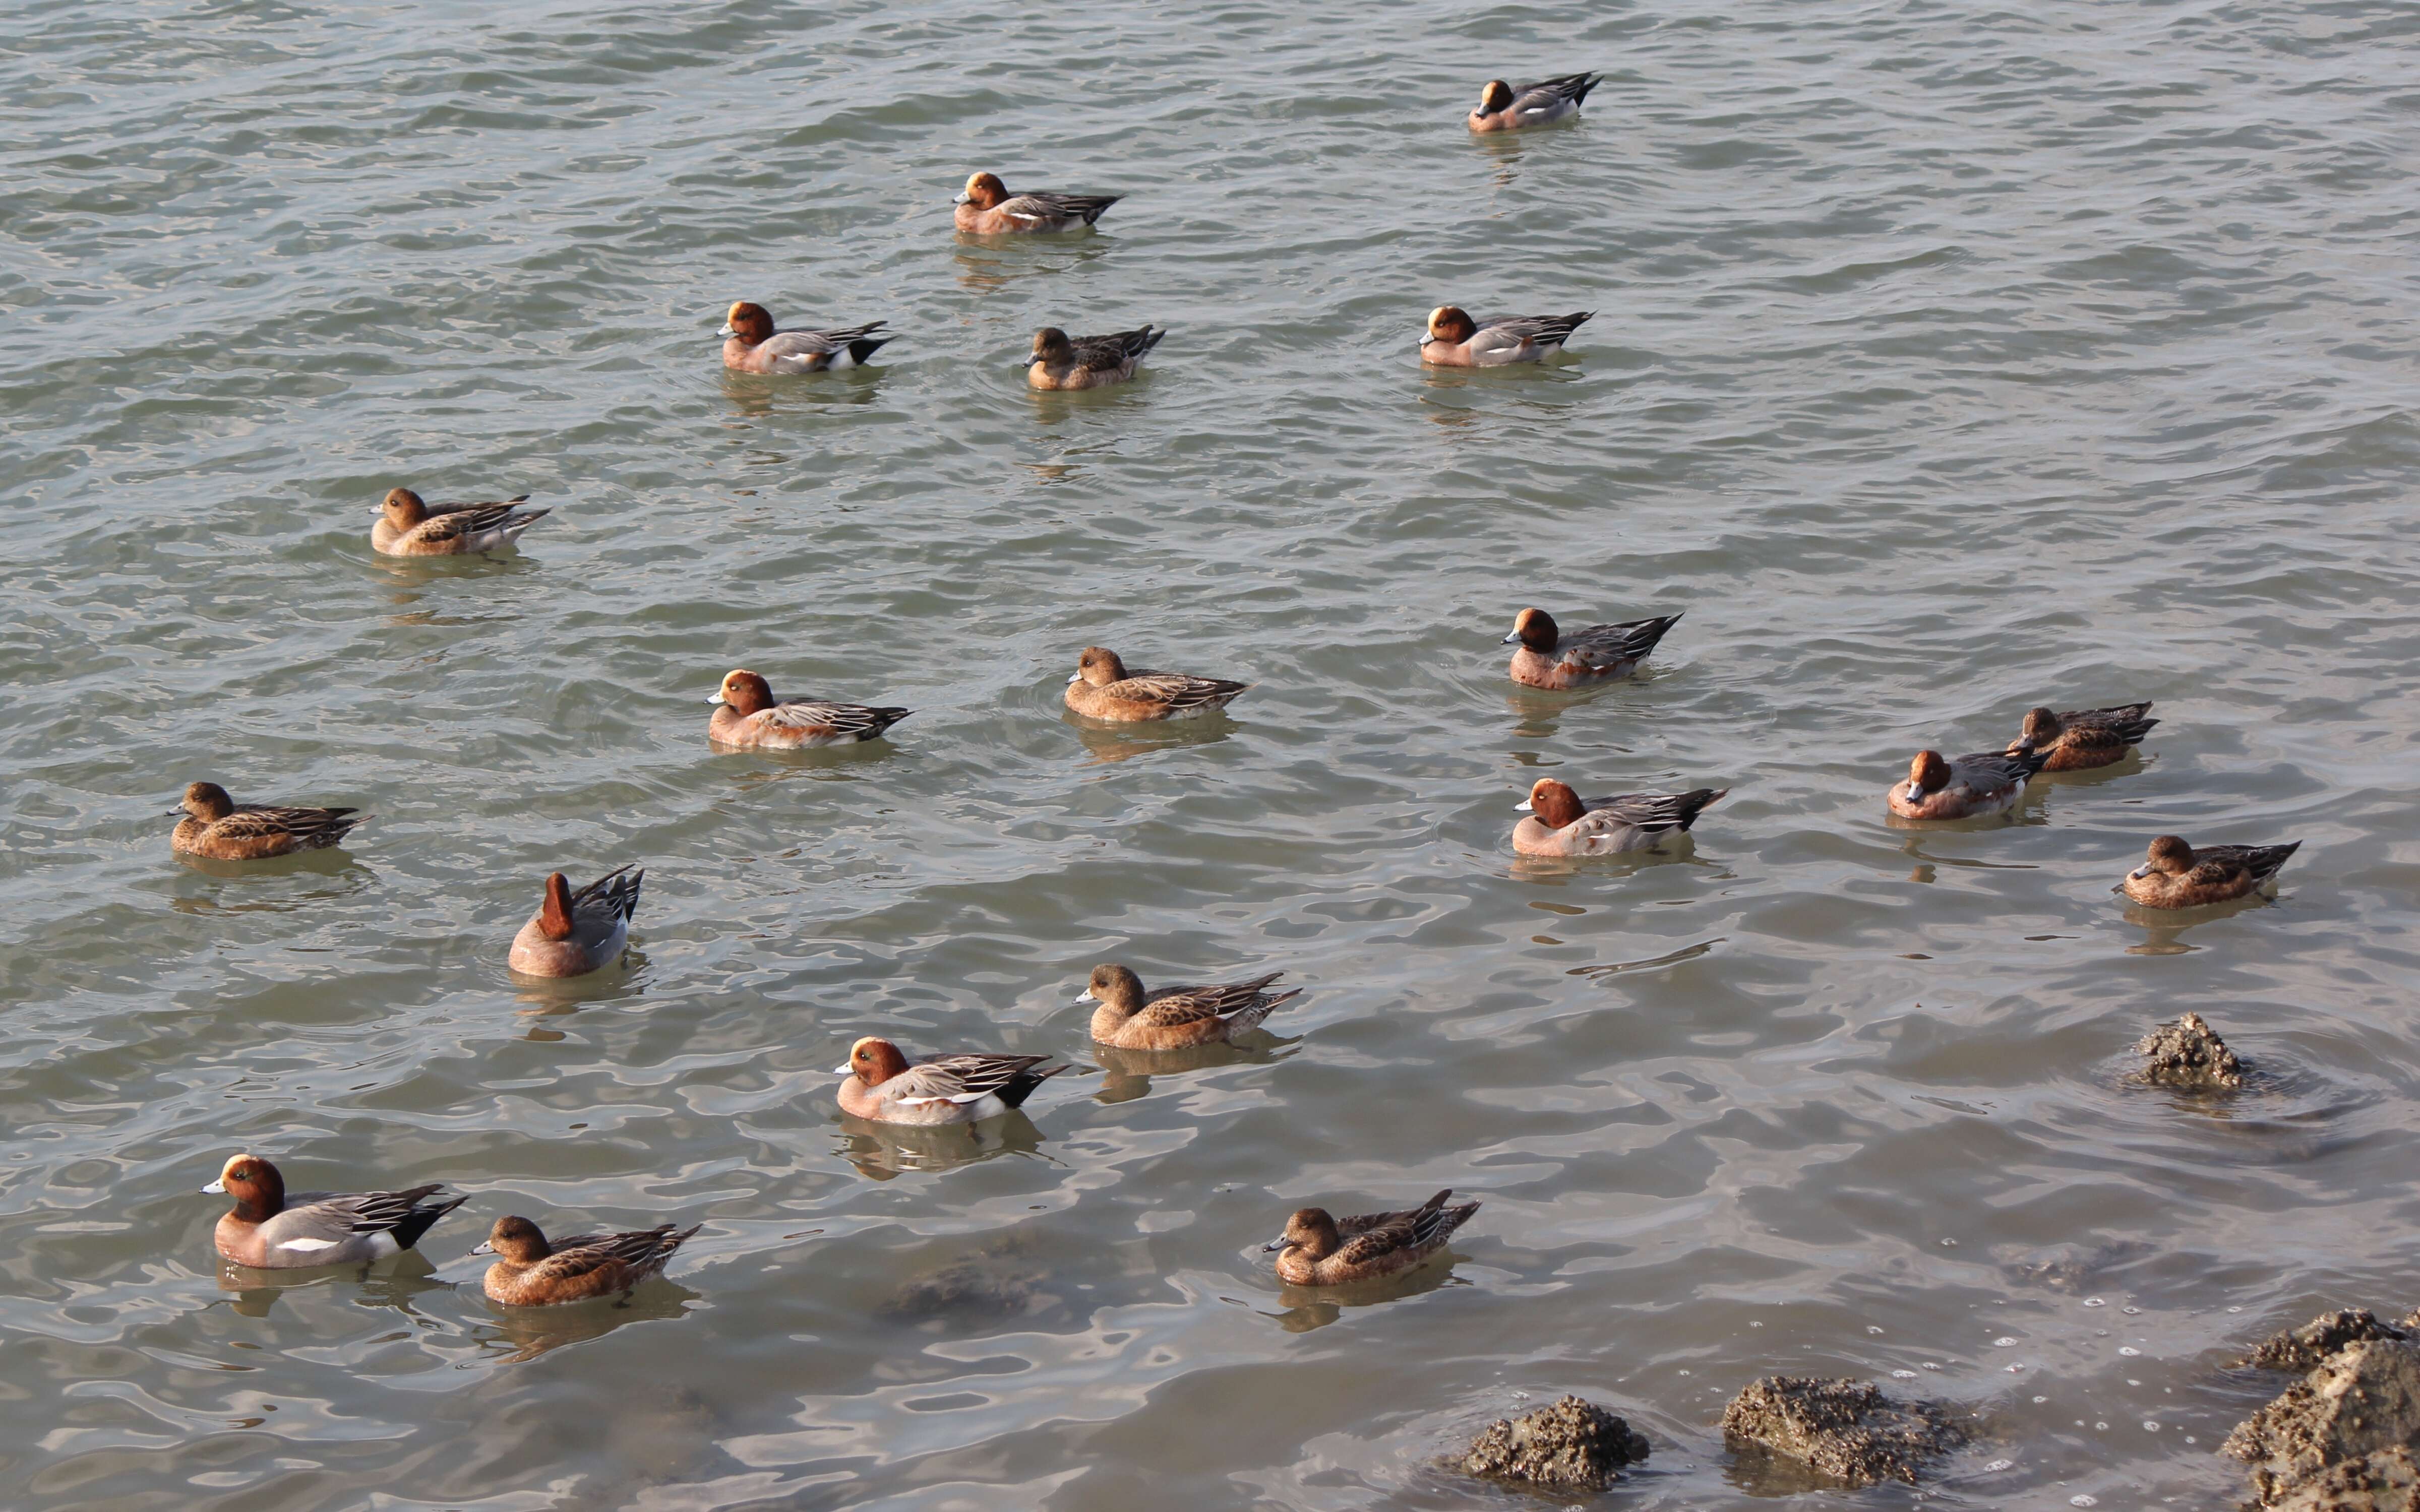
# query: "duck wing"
862,722
2215,864
611,899
473,520
1990,771
307,826
1115,351
1043,205
816,343
1602,646
1545,330
1657,813
1173,1005
961,1078
642,1251
1175,689
1572,87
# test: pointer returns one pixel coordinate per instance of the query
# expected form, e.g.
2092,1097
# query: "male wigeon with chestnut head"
2081,739
1553,657
987,209
1985,782
529,1271
408,526
882,1088
574,934
1323,1251
1102,688
1453,339
748,717
218,828
751,345
1177,1018
1560,824
2177,875
1063,361
272,1229
1504,107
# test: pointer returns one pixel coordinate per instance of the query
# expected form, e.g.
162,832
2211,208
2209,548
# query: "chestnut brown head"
1928,773
2170,855
751,323
1496,97
518,1240
1050,344
2040,727
983,192
258,1191
745,692
1554,803
1311,1232
1452,323
1116,987
1536,629
208,802
874,1061
555,915
403,508
1099,666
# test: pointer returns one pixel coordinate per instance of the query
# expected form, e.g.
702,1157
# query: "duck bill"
1522,806
1515,638
1075,677
1274,1245
844,1071
726,333
216,1189
485,1248
1088,997
962,197
2139,873
716,698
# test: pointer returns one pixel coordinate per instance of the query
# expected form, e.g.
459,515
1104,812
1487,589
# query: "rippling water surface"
1948,361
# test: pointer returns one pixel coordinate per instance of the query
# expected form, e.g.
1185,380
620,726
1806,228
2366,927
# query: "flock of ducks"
579,930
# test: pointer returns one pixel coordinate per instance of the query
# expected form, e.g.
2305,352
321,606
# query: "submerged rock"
2387,1481
2361,1400
2188,1053
1574,1443
1845,1429
2300,1349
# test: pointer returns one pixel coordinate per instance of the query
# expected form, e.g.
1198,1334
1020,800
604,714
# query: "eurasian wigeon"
218,828
2080,739
749,717
531,1273
1455,340
986,208
269,1230
882,1088
1063,361
408,526
1549,658
1175,1018
2175,875
1560,824
1102,688
1985,782
573,933
1504,108
751,345
1321,1251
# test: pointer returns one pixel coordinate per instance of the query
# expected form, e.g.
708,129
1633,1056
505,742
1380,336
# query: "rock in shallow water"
2387,1481
1845,1429
2188,1053
1574,1443
2361,1401
2300,1349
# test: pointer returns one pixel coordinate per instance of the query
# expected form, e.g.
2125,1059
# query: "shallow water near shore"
1946,362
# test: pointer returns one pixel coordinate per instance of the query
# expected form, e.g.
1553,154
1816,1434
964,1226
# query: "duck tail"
1586,82
2273,859
1694,802
1147,338
420,1220
1021,1086
859,350
1252,1017
1093,208
885,718
2030,762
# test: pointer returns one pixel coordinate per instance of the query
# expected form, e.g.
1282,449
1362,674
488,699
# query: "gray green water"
1948,361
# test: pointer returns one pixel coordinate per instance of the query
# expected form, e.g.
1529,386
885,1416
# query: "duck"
1177,1018
269,1230
1321,1251
746,716
573,933
2175,875
987,209
882,1088
2081,739
218,828
1453,339
1063,361
1102,688
531,1273
751,345
1549,658
1560,824
1985,782
1504,108
408,526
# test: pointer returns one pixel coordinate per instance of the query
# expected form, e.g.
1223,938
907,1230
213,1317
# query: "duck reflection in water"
397,1282
883,1150
1126,1074
1109,743
522,1334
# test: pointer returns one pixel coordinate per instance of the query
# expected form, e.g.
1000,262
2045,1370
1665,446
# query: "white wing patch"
307,1245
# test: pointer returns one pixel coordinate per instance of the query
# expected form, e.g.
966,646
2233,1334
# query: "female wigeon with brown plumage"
1063,361
1552,657
574,934
529,1271
1985,782
273,1230
1177,1018
218,828
2082,739
1560,824
987,209
1323,1251
1453,339
409,526
748,717
2177,875
1505,108
881,1086
1102,688
751,344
